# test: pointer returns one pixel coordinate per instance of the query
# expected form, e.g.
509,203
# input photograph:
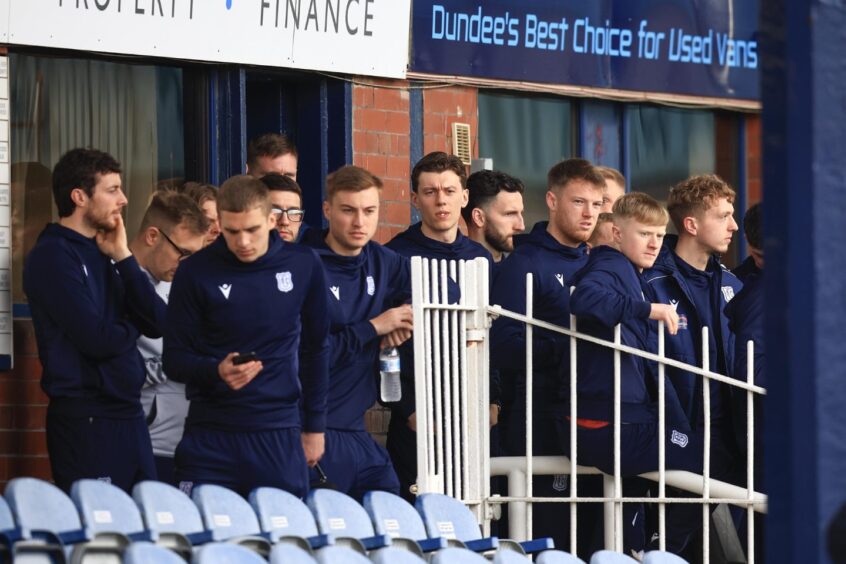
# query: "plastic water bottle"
389,368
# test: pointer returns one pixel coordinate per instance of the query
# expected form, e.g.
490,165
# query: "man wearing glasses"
286,197
173,228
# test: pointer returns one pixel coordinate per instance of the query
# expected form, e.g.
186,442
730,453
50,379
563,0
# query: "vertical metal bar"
457,398
517,509
446,398
608,510
662,440
618,482
419,289
574,471
464,435
425,364
750,450
706,462
437,399
482,297
529,384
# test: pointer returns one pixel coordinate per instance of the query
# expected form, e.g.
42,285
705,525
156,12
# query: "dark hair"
200,193
574,169
168,209
484,185
694,196
276,182
351,179
243,193
752,227
78,168
269,145
438,161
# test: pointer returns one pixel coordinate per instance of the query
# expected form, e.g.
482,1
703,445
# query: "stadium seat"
9,533
285,518
340,555
660,557
557,557
455,555
230,518
149,553
341,516
393,516
50,524
226,553
509,557
610,557
172,515
104,508
448,517
391,555
284,553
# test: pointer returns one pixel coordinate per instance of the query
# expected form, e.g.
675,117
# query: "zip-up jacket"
699,298
552,266
275,307
88,313
357,290
608,291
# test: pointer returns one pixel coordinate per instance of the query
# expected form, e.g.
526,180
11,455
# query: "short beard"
498,242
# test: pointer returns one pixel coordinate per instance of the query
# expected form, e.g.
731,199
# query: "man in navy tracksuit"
438,184
249,292
552,253
90,302
689,276
609,291
361,278
494,212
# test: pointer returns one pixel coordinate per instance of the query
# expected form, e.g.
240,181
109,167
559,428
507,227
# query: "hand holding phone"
240,359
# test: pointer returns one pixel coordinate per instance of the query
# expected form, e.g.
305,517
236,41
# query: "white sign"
368,37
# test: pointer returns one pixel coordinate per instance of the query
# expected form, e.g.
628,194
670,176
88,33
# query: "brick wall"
444,106
23,408
755,190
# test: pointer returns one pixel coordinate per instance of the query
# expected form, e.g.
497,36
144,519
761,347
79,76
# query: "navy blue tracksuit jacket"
220,305
700,298
552,266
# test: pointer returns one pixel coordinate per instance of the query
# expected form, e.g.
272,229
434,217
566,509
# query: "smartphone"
244,358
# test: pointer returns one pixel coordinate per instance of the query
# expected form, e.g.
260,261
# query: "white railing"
451,349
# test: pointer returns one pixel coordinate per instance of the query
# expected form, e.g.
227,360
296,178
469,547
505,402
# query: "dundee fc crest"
284,281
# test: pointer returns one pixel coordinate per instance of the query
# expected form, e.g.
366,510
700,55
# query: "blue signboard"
693,47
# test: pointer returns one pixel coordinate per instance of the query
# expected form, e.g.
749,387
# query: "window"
133,112
525,136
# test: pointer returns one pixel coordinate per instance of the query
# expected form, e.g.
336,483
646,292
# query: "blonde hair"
694,196
640,207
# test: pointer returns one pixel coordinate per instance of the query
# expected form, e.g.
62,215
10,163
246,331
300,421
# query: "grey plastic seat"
610,557
226,553
230,518
454,555
661,557
149,553
391,555
392,515
172,515
342,517
285,553
285,518
557,557
340,555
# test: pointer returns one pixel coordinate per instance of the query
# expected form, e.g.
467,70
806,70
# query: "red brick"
385,141
376,164
362,96
396,213
397,122
26,368
23,442
360,141
395,190
360,159
438,100
390,99
398,167
25,343
435,142
29,417
371,120
7,416
34,466
373,139
21,392
403,145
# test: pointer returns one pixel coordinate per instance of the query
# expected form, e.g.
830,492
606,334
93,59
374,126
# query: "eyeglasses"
295,215
183,253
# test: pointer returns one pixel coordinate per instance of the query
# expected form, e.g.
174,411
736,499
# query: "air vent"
461,142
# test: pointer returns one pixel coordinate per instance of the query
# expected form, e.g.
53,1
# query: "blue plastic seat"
341,516
230,518
50,525
660,557
610,557
391,555
171,514
226,553
509,557
104,508
454,555
149,553
557,557
448,517
285,518
392,515
285,553
340,555
9,533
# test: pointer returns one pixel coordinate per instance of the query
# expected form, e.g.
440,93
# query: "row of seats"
217,525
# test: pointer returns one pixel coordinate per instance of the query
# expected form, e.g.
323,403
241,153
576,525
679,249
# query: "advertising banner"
368,37
690,47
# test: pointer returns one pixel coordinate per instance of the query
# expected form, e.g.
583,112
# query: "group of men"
231,343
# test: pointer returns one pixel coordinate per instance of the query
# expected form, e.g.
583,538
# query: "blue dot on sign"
228,4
